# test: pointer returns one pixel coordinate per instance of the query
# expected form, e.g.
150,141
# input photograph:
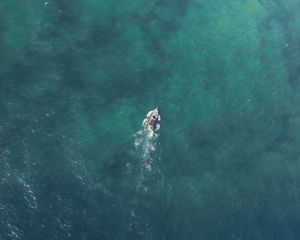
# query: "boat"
152,121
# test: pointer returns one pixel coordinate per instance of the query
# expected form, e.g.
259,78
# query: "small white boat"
152,121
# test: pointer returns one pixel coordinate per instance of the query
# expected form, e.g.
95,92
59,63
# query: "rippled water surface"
77,79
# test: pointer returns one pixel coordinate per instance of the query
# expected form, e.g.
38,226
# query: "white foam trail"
145,170
145,146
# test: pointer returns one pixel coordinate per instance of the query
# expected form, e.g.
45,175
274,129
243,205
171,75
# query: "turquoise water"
77,79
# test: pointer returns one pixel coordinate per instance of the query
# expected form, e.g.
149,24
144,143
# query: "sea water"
77,79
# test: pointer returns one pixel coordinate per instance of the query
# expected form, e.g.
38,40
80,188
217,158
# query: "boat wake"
146,149
147,181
